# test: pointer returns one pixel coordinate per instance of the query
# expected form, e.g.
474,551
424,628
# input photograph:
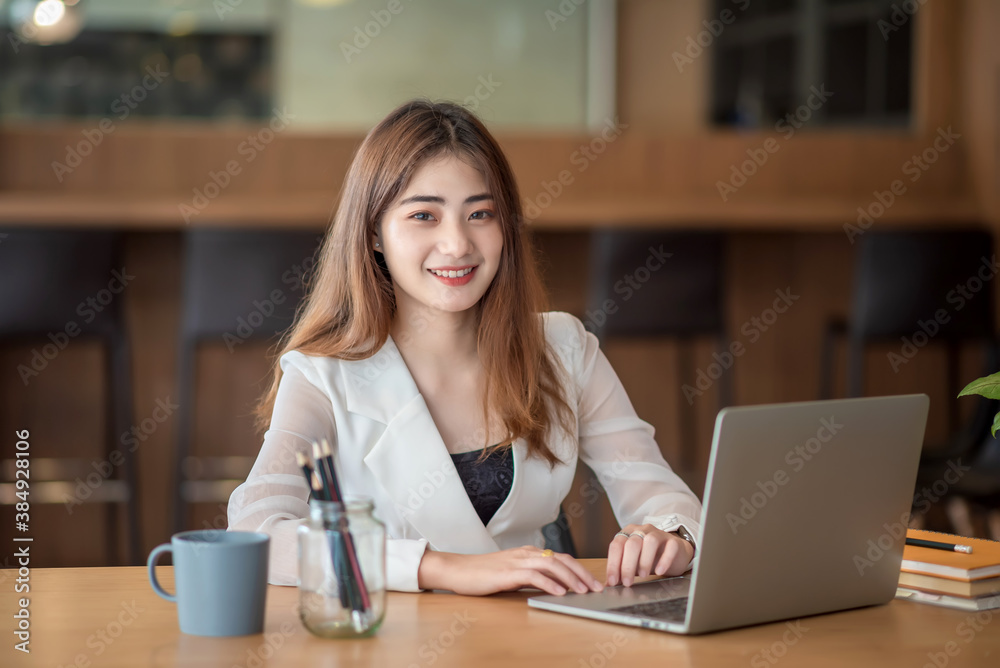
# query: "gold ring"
547,553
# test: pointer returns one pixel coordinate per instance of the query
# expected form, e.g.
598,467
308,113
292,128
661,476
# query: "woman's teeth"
452,274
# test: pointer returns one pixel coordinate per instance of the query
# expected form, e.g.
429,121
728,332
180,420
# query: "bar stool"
649,283
678,297
906,286
902,279
239,286
58,286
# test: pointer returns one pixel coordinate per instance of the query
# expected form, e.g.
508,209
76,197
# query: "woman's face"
441,238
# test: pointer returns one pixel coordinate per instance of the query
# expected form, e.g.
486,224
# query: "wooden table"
111,617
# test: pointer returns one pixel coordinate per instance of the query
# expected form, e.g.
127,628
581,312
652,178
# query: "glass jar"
337,542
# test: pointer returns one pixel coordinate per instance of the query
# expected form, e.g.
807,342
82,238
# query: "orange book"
963,588
984,562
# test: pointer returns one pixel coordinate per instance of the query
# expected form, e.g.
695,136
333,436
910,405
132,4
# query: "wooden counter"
313,210
110,617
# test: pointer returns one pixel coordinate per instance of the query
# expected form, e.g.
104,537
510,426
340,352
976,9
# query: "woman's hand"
647,550
507,570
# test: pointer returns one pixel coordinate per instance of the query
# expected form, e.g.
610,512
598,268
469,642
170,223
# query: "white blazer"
388,448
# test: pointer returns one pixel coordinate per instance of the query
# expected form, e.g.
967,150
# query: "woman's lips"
457,280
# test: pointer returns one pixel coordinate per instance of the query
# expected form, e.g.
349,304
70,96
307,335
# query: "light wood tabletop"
111,617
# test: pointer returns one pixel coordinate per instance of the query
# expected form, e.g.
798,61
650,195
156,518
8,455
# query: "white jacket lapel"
409,459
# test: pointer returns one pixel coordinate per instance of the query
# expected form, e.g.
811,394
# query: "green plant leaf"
996,425
989,387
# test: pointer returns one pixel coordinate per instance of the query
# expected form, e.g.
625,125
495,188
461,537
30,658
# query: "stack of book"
952,579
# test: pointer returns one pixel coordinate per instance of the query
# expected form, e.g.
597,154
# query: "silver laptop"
805,512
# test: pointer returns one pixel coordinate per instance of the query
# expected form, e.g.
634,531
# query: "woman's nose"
455,240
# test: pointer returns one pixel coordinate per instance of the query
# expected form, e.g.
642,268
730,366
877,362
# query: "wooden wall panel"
652,92
980,100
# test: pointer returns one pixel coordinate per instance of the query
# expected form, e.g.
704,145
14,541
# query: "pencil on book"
937,545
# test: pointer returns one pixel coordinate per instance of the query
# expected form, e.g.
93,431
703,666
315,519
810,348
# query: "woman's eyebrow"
440,200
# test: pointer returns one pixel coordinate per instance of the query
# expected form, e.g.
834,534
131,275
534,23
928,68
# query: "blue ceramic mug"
221,581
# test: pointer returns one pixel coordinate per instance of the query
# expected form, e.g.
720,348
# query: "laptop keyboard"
671,610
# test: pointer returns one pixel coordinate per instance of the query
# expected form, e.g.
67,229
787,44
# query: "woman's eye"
482,215
422,215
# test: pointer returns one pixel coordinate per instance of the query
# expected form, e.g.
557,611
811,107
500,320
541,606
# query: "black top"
488,482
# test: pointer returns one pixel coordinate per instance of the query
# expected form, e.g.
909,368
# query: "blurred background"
748,201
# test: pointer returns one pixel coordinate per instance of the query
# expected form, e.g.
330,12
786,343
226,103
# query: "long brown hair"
350,303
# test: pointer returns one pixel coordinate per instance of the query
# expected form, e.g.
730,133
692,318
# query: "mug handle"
151,566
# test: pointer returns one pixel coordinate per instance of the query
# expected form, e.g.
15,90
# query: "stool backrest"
905,278
244,283
52,278
650,283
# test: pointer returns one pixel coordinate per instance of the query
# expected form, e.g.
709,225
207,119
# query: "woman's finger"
652,548
630,557
671,551
589,581
538,580
615,551
558,570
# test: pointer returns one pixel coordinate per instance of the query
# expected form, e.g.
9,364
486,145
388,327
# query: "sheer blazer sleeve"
274,498
619,447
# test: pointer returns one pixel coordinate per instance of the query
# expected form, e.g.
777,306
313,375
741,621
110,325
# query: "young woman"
454,402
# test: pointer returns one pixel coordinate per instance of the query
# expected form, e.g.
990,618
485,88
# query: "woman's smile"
454,276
